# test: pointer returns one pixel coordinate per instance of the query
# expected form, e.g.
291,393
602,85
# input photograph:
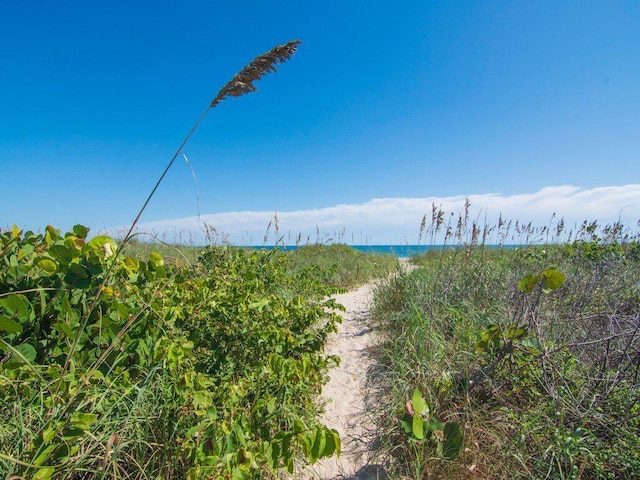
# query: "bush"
140,369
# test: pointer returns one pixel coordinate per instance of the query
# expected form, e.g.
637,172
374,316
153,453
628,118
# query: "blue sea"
400,251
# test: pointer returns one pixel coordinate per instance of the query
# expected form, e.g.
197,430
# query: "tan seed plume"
242,82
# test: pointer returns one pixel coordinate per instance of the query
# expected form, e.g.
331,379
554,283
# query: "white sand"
345,393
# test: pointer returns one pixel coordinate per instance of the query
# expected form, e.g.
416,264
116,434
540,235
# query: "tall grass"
340,265
558,399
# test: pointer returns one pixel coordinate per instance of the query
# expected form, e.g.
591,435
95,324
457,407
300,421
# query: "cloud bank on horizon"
398,220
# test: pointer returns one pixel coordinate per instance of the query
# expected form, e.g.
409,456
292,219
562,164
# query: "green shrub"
139,369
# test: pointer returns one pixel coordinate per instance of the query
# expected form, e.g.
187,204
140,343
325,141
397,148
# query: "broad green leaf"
25,251
77,276
131,264
418,403
48,265
61,253
259,305
407,424
553,279
298,426
15,231
239,433
330,445
336,440
102,245
533,346
161,272
74,243
53,234
44,455
9,326
43,473
201,400
318,446
156,258
434,425
482,345
80,231
97,242
516,332
452,440
83,420
73,433
418,426
27,351
16,305
49,433
240,474
528,283
271,405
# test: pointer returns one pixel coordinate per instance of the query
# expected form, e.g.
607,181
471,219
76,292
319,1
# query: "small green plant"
501,342
422,425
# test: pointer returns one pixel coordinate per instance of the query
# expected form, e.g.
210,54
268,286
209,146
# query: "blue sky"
410,100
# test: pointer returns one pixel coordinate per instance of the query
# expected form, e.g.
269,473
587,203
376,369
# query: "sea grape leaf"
16,305
9,326
80,231
131,264
553,279
48,265
99,241
418,403
61,253
77,276
53,233
156,258
528,283
23,352
516,333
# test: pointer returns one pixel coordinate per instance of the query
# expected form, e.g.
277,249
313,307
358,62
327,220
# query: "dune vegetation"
122,367
513,362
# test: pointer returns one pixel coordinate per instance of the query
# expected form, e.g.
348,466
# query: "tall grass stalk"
241,84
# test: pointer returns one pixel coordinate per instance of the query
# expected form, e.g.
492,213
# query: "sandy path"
345,393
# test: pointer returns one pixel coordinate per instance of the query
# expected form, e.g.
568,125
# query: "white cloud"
397,220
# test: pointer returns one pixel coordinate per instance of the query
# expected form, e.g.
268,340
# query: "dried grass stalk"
242,82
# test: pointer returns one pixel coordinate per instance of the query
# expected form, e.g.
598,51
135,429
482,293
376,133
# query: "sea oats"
242,82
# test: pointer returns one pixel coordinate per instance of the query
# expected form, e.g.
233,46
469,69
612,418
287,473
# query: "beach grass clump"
172,253
340,265
530,355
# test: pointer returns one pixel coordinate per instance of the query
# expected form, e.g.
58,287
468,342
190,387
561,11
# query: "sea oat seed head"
242,82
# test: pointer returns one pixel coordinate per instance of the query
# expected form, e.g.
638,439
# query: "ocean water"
400,251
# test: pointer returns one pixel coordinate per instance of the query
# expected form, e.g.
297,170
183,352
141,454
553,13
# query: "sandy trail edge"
346,391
